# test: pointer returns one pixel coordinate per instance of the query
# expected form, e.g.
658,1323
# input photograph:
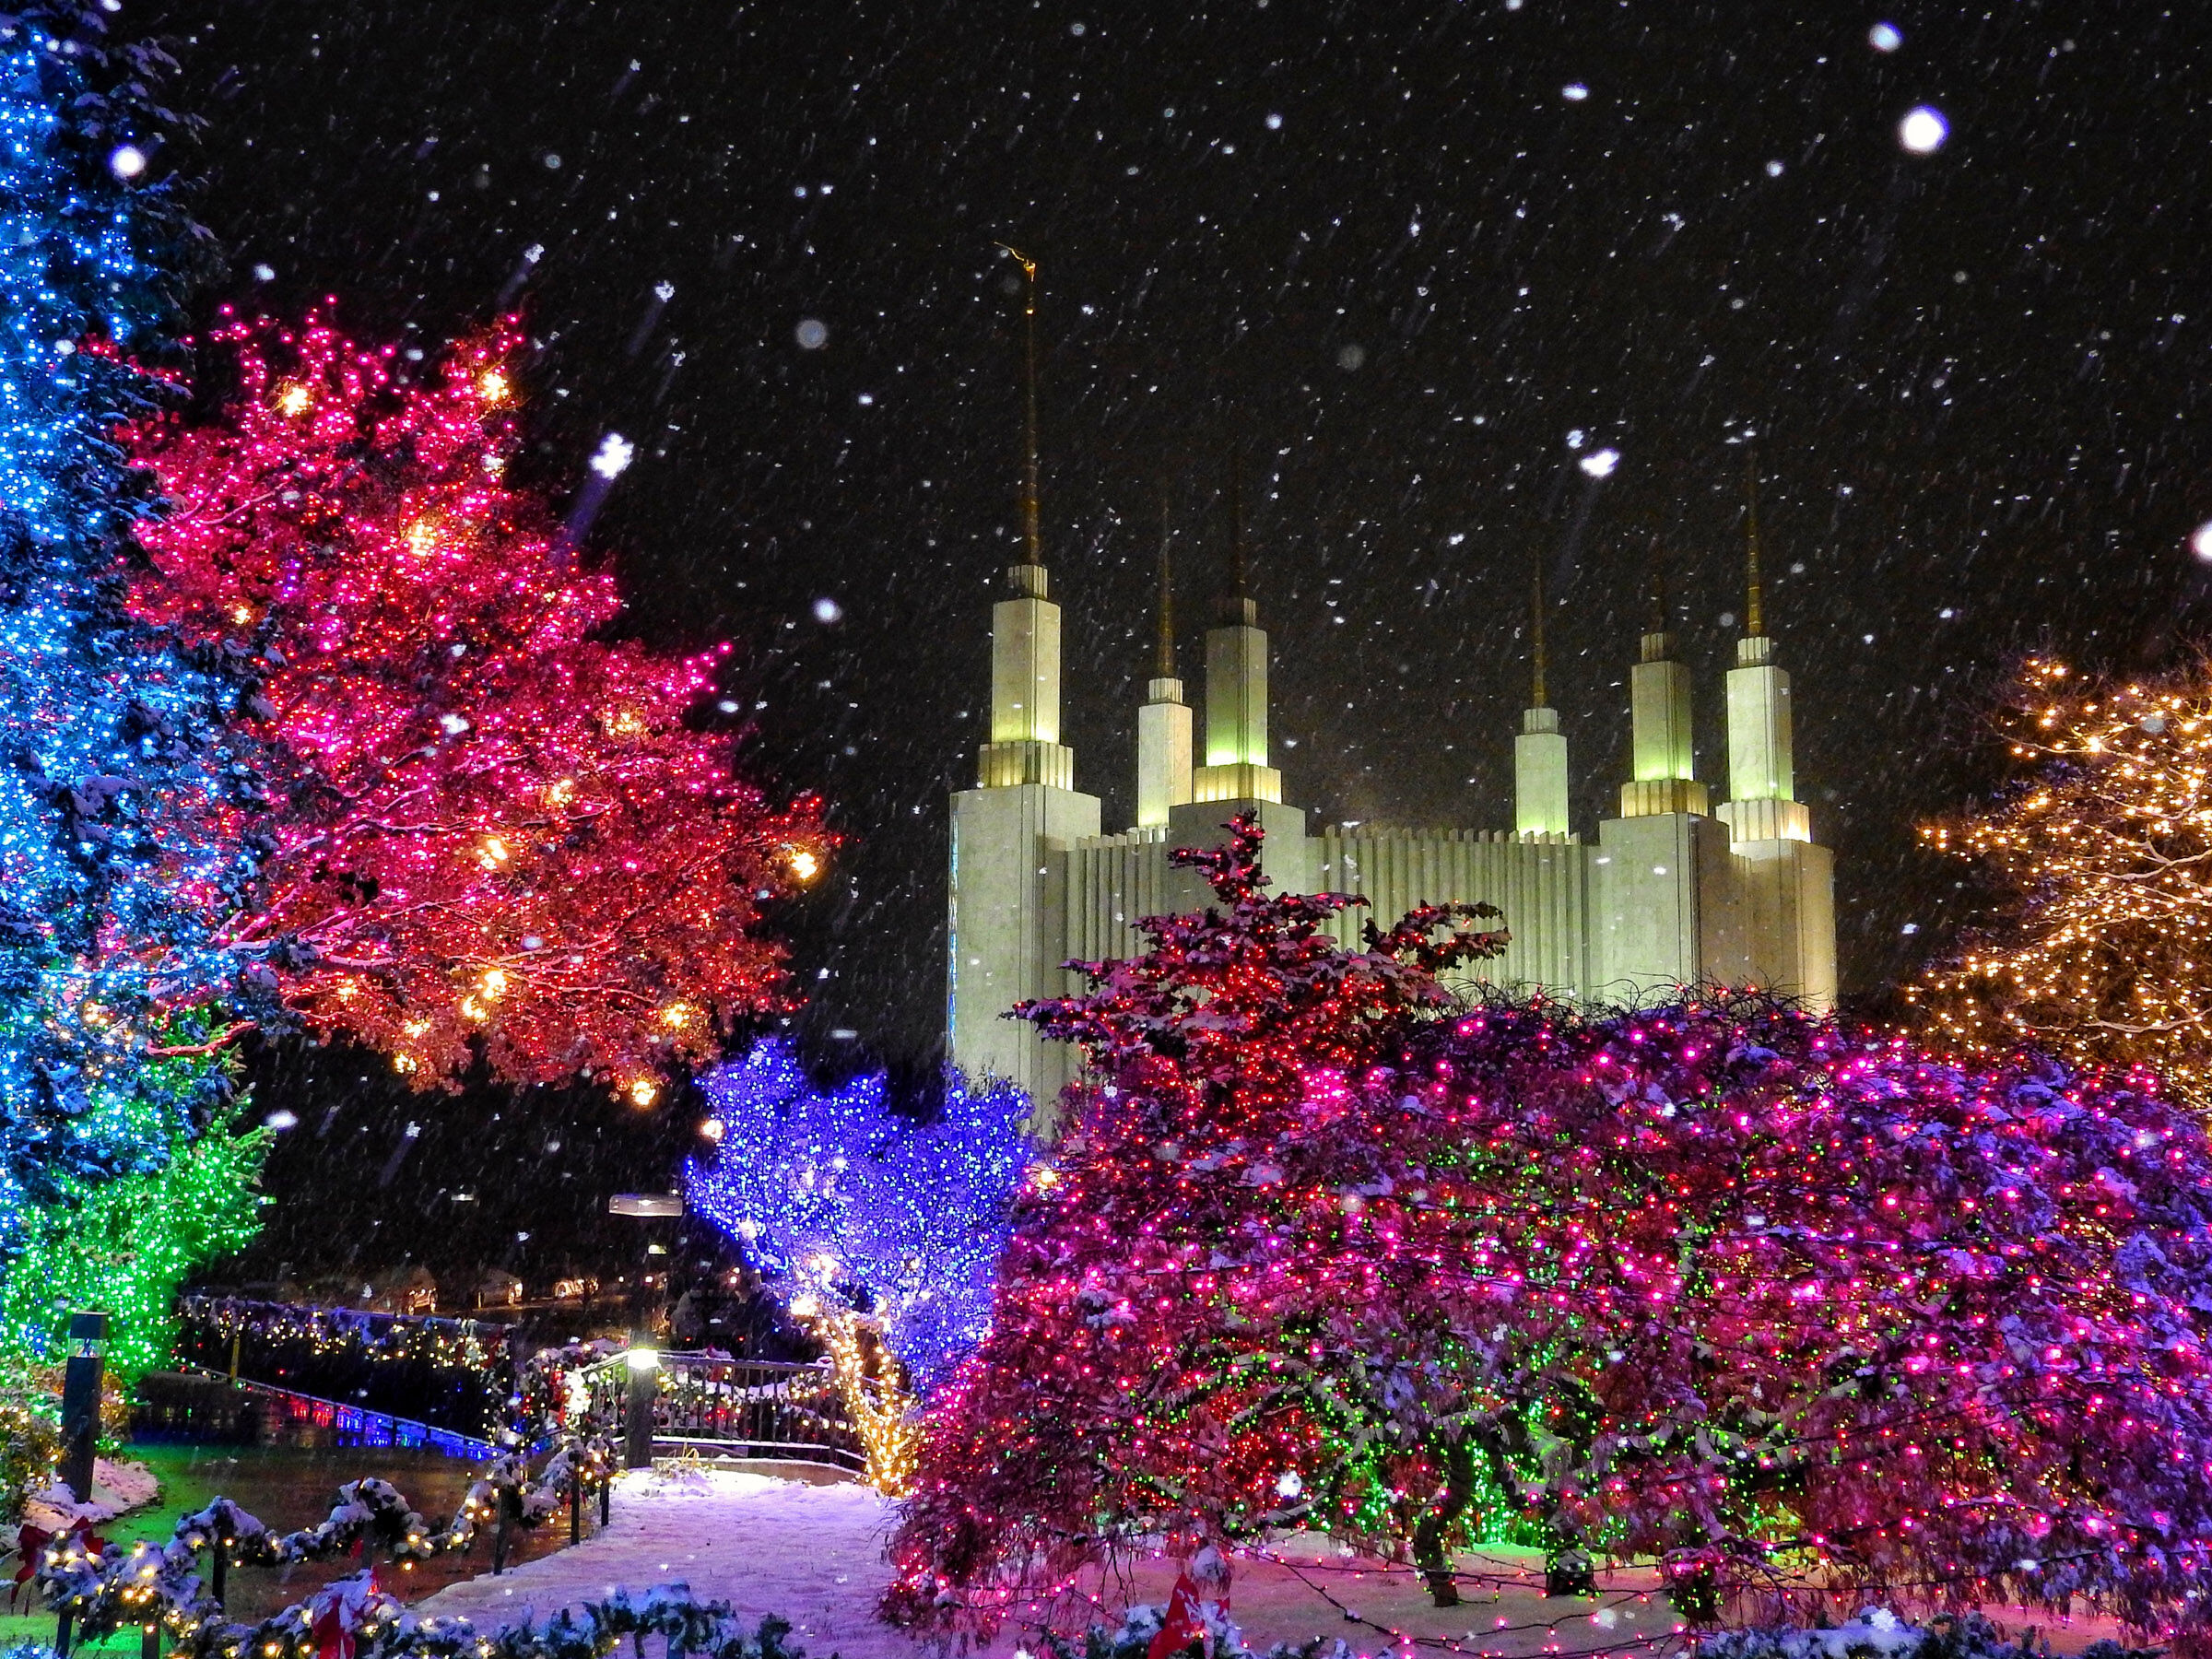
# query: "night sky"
1396,261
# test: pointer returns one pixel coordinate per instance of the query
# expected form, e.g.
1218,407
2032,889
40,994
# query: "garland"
104,1588
374,1625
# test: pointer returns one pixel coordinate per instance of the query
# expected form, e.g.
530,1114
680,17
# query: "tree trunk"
1449,1503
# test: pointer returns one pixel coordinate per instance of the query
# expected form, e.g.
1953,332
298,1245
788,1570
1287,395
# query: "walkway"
814,1553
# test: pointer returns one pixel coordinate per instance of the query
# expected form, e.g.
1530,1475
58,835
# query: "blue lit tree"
896,1219
125,815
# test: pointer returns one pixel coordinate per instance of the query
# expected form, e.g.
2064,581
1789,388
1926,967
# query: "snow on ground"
814,1553
117,1487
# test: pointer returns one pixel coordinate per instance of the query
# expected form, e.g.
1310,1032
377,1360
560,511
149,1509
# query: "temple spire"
1662,779
1540,748
1163,665
1164,753
1023,746
1762,780
1535,631
1755,619
1033,540
1236,765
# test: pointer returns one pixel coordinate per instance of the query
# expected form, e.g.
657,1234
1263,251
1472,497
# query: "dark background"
1975,376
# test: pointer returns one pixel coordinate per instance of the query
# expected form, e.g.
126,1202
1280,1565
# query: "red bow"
1181,1628
33,1542
338,1612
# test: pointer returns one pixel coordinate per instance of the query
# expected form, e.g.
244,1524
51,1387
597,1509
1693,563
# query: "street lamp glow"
643,1360
1599,463
2200,541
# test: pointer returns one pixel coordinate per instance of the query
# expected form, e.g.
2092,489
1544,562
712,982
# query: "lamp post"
644,1387
644,1357
81,1382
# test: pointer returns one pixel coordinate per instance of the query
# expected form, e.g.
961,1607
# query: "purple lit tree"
884,1228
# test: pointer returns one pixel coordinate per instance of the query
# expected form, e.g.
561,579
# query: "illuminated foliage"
118,804
1780,1304
883,1230
847,1201
2103,948
125,812
500,831
127,1245
1199,1331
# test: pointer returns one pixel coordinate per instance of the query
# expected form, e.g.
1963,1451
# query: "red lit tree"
1197,1304
1801,1312
500,831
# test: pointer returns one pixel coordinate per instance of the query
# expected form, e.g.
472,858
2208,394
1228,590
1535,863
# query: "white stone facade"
1668,894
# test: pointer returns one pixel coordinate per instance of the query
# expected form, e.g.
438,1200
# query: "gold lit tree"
2103,949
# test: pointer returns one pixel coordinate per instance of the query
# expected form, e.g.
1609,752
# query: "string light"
885,1228
2104,934
1712,1282
121,804
508,838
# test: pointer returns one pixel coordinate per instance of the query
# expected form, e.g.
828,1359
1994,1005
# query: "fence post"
222,1566
575,1504
61,1632
606,1492
150,1643
644,1387
80,1400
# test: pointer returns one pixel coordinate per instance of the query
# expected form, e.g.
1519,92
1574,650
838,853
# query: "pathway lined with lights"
814,1553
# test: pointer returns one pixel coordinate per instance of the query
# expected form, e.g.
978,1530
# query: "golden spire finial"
1755,619
1164,666
1240,586
1031,540
1535,628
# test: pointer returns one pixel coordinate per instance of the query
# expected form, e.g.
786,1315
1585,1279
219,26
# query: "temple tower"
1163,723
1663,860
1788,884
1540,749
1006,926
1236,775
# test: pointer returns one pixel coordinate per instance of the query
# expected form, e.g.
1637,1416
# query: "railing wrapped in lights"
744,1408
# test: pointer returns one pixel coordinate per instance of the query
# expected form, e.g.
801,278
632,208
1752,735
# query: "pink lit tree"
501,836
1803,1312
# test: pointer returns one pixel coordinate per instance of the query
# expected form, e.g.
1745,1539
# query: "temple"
1671,892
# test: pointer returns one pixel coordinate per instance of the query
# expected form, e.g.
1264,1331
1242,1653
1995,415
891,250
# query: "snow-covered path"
814,1553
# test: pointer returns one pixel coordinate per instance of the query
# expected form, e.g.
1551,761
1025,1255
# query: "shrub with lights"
502,833
1807,1314
883,1229
127,815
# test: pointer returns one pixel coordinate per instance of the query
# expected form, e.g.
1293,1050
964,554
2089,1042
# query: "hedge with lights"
502,832
1804,1312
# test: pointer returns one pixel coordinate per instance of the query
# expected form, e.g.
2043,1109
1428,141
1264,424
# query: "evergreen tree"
2101,945
123,811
